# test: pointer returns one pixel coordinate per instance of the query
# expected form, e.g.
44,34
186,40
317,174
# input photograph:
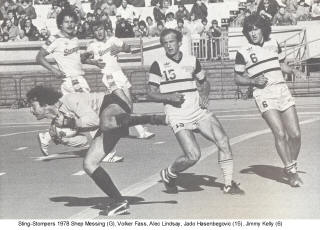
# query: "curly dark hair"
256,20
165,32
44,95
66,12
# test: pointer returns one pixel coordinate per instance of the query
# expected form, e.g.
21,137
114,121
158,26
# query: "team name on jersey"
67,52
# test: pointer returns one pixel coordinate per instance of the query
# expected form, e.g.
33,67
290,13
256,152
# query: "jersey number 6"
254,58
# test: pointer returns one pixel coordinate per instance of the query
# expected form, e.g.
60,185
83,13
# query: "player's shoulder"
53,38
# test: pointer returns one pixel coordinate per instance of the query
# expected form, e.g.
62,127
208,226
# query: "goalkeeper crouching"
83,112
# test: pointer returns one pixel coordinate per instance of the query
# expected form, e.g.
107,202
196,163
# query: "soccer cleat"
233,189
44,140
158,120
118,208
146,135
169,183
293,179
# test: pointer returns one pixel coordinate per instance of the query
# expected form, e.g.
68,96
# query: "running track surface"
33,186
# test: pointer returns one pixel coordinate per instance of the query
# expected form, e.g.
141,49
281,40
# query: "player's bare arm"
114,50
203,87
175,99
243,80
41,59
291,70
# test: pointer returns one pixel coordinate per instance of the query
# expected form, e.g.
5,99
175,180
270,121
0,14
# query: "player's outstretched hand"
176,99
114,50
260,82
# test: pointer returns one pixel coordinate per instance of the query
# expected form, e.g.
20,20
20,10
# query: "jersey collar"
176,61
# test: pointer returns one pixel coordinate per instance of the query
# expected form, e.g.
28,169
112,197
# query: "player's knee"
89,165
106,125
295,135
280,135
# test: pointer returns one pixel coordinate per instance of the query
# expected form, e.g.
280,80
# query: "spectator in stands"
214,33
12,17
21,37
182,13
21,17
11,29
315,10
90,18
283,18
135,27
105,19
6,6
127,11
151,26
180,27
30,30
199,9
26,5
77,6
97,13
268,8
109,32
302,13
54,10
124,29
160,28
291,6
109,7
44,34
144,32
158,12
170,22
85,31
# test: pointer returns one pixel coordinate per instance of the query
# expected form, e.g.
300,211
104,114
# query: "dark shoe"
233,189
118,208
169,183
293,179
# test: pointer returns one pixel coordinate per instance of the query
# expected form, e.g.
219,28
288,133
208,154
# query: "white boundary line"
137,188
2,173
12,134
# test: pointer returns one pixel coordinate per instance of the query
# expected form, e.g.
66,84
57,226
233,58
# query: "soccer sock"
171,174
227,170
104,182
291,168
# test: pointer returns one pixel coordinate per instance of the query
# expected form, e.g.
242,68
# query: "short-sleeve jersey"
101,50
257,60
178,76
66,52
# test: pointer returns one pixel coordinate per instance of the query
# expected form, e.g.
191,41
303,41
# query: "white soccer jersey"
66,52
101,50
257,60
179,76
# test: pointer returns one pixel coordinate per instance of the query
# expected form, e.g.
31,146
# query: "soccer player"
179,83
260,64
64,48
104,50
90,111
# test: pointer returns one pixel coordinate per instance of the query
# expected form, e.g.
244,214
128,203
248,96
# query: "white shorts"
276,97
74,84
178,125
115,80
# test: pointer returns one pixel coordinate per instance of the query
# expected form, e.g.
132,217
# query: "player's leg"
274,121
78,141
291,123
191,154
211,128
91,164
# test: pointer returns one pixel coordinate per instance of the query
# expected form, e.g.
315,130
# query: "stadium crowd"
16,17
